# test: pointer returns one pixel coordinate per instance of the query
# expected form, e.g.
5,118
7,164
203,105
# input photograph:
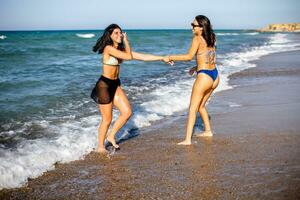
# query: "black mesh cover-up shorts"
104,90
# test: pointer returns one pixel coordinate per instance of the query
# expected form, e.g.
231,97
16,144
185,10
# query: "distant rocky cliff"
294,27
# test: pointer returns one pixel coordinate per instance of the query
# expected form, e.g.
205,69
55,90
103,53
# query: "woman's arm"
145,57
124,55
189,56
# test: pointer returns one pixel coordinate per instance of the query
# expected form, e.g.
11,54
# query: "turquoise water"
47,76
42,70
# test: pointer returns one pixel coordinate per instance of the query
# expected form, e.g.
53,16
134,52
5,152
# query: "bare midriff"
111,72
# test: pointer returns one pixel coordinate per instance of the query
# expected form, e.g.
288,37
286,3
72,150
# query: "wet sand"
253,155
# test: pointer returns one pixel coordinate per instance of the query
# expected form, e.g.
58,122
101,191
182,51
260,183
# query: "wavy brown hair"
105,39
207,32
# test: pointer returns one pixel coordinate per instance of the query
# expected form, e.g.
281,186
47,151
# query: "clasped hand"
166,59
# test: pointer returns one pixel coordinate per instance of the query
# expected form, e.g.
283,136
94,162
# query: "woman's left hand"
192,71
124,35
171,62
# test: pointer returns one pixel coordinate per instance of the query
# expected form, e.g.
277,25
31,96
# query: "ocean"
47,115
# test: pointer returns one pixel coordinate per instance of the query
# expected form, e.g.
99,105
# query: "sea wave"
227,34
2,37
238,61
235,34
87,35
253,33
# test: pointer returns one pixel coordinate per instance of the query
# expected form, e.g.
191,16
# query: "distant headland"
291,27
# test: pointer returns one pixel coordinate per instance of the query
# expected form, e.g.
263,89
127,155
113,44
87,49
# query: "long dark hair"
207,32
105,39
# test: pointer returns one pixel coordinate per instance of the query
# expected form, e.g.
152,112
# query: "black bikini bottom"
104,90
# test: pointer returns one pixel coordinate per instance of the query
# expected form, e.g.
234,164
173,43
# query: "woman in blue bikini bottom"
203,48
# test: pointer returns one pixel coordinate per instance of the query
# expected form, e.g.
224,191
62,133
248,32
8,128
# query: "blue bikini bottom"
212,73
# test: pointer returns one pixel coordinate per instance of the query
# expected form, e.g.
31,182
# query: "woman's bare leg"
203,112
201,85
122,104
106,113
204,115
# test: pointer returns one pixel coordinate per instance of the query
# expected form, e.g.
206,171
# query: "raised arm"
124,55
189,56
145,57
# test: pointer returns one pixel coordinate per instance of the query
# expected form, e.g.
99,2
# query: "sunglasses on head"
194,25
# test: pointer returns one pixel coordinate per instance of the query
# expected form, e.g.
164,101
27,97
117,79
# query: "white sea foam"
238,61
87,35
279,38
33,157
75,138
2,37
232,105
253,33
227,34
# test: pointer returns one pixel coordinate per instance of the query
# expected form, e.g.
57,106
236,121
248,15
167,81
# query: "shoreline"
240,161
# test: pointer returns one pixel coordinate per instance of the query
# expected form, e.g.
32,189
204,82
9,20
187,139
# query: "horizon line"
130,29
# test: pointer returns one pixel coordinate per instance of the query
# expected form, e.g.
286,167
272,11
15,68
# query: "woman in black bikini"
204,47
115,47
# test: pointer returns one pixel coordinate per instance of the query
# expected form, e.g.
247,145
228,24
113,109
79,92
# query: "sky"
140,14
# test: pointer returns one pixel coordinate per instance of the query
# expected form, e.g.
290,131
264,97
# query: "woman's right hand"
166,59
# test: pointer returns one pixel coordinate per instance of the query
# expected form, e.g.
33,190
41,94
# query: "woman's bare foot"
112,141
101,150
205,134
185,142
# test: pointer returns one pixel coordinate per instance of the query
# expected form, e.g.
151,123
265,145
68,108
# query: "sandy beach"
254,153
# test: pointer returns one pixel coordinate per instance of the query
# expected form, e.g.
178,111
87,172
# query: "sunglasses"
194,25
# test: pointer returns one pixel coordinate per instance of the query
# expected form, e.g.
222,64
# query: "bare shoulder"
197,39
196,42
202,42
108,48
